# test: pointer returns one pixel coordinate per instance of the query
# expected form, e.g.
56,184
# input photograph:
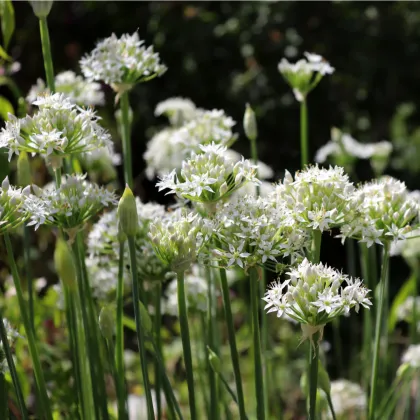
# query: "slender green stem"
214,400
27,259
4,396
415,320
186,343
378,333
232,343
259,380
316,245
330,405
228,388
57,175
44,402
201,337
304,133
126,139
139,328
158,338
12,369
46,52
313,375
119,341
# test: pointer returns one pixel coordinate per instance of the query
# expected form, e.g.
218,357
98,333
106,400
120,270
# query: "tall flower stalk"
304,143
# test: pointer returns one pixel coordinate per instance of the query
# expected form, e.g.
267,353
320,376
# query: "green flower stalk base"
304,133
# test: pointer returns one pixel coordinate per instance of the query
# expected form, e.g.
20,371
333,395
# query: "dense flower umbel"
314,295
58,129
73,204
252,231
177,238
305,74
77,89
11,337
384,212
178,110
210,176
317,198
122,62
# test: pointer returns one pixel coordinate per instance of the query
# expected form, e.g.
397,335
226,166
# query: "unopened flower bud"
107,322
146,321
127,213
41,8
214,361
250,123
24,177
5,184
64,264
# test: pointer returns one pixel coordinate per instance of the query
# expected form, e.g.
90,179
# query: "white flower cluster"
344,148
348,399
71,205
177,238
168,148
305,74
315,294
411,357
77,89
317,198
384,211
58,129
209,176
196,289
178,110
11,334
122,62
252,231
408,248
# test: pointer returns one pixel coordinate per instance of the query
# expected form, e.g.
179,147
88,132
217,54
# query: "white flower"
77,89
122,62
305,74
408,248
411,357
178,110
58,129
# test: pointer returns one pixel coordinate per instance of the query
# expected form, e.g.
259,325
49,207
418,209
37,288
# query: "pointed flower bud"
127,213
250,123
64,263
146,321
214,361
41,8
107,322
24,177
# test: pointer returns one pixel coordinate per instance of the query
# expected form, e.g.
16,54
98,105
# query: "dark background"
224,54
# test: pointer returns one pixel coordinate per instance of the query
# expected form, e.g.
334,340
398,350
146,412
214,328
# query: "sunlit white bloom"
384,211
178,110
209,176
77,89
122,62
58,129
315,294
408,248
264,171
317,198
411,357
305,74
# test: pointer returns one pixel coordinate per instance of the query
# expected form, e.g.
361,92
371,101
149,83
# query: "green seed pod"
250,123
41,8
127,213
24,177
146,321
214,360
107,322
64,264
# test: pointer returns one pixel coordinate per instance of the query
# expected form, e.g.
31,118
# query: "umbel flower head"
209,176
315,294
122,62
317,198
77,89
177,239
251,231
384,212
72,204
305,74
169,147
178,110
58,129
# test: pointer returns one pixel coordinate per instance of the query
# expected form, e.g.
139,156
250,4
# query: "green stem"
158,338
4,408
313,375
126,139
316,246
378,331
46,52
228,388
12,369
415,320
304,133
186,343
232,343
330,404
44,402
27,259
57,175
201,337
119,341
139,328
259,381
214,400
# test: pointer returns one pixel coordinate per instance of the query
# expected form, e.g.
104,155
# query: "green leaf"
4,55
406,290
7,13
5,108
